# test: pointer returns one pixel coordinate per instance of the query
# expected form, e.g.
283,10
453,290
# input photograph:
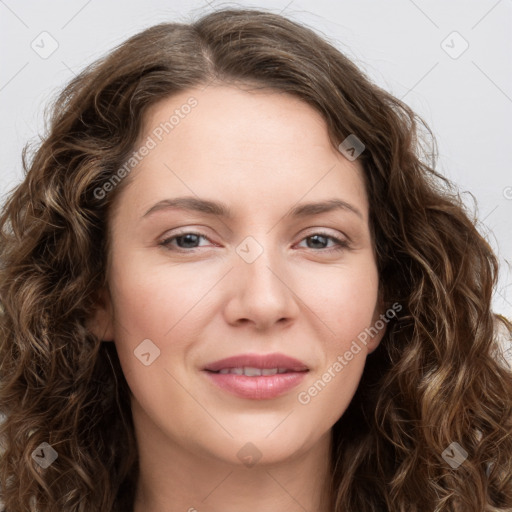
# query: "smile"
256,376
253,372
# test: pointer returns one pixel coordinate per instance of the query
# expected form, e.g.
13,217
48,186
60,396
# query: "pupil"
315,238
189,238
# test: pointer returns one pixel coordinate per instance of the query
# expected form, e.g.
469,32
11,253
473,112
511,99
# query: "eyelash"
340,244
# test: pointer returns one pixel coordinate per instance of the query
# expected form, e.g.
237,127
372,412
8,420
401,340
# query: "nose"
261,292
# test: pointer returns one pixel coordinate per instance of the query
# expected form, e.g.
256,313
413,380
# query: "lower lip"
263,387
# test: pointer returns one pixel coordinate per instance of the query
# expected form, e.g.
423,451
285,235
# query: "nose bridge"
262,293
258,261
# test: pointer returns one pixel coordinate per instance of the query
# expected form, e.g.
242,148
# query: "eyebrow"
219,209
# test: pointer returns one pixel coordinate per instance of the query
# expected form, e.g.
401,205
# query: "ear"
379,325
101,322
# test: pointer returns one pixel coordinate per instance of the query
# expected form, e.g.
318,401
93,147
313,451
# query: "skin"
261,153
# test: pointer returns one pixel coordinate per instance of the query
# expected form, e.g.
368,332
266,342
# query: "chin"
264,446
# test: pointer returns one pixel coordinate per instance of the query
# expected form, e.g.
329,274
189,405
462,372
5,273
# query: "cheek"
153,322
344,303
168,305
346,309
343,299
152,302
327,396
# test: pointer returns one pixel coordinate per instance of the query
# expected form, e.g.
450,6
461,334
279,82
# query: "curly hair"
436,378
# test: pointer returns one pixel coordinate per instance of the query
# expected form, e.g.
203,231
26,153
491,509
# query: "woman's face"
191,285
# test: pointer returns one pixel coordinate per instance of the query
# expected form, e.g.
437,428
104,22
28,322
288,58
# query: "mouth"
249,371
254,363
257,376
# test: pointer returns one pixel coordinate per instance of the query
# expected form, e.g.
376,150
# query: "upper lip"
262,361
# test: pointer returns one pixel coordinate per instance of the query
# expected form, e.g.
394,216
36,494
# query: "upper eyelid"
316,231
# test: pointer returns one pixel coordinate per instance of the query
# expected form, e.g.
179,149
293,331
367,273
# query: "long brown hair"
436,377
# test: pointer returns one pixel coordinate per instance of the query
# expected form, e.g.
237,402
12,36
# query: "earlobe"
379,326
101,321
377,338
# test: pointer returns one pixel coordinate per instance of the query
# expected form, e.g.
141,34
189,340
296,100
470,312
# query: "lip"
264,387
263,361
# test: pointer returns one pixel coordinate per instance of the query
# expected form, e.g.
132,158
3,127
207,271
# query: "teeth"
249,371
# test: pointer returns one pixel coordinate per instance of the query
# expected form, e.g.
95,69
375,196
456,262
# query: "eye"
186,240
322,239
190,240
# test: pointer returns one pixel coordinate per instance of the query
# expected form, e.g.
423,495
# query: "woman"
254,370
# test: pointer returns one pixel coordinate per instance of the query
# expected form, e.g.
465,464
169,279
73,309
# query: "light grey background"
408,47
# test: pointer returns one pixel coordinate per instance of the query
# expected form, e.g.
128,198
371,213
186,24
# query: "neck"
173,479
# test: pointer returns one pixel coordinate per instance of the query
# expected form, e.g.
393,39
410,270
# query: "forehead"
257,145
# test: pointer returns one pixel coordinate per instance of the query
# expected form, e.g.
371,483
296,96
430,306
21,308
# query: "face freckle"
214,254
